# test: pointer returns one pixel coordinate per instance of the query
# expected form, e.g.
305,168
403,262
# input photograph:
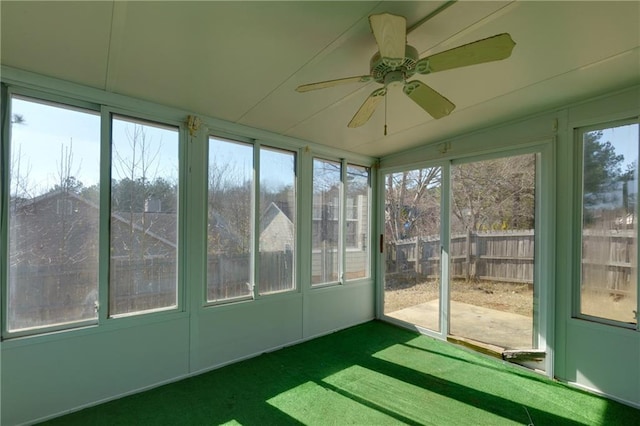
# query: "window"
357,222
53,216
277,221
229,224
331,262
609,223
144,217
232,212
327,194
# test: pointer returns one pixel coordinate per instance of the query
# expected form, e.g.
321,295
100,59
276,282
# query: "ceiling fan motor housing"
380,66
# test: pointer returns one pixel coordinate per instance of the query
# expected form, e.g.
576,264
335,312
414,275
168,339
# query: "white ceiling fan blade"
390,32
331,83
489,49
367,108
431,101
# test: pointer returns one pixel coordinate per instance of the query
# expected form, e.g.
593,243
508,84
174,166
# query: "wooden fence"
508,256
228,276
497,256
50,294
608,259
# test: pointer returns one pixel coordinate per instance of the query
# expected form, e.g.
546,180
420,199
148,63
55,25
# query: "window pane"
412,246
277,221
229,227
357,222
492,251
609,283
326,221
53,215
144,217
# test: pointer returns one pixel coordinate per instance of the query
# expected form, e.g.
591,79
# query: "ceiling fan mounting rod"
394,78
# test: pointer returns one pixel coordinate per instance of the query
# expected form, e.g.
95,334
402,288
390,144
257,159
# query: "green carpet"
372,374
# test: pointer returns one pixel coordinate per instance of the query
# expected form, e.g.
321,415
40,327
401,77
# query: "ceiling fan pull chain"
385,114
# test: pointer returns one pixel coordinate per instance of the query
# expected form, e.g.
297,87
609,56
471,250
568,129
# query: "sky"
48,132
40,143
625,140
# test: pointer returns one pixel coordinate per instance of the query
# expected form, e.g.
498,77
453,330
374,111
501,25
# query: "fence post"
418,256
468,256
391,257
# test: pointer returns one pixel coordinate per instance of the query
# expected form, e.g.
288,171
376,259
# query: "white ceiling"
241,61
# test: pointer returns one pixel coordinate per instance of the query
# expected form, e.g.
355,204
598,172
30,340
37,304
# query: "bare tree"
66,190
494,194
412,205
143,237
20,188
229,200
136,162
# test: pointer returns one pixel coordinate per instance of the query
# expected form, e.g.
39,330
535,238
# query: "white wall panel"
336,307
43,377
599,357
228,333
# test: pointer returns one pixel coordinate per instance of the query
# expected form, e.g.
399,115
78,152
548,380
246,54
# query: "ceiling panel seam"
116,40
510,93
337,42
470,28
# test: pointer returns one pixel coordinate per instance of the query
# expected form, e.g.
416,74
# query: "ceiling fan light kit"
396,61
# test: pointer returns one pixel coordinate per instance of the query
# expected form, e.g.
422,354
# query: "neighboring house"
222,237
143,234
326,220
52,229
276,230
61,228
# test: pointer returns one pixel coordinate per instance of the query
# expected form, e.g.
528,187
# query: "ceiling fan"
396,61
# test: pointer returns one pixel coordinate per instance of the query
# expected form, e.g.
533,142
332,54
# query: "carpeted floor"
372,374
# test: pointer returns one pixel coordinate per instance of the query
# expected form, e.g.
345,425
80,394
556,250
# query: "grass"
372,374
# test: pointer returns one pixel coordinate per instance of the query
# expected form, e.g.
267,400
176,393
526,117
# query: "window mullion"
105,215
342,223
255,219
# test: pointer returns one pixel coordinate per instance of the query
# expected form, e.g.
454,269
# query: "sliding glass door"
460,250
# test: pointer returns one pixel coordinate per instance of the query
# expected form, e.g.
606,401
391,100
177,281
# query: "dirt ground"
402,291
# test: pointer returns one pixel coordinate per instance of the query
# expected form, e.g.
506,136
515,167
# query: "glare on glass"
53,215
609,270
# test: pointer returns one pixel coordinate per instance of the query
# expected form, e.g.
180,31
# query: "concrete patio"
503,329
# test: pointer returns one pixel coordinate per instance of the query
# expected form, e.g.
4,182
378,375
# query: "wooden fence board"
508,256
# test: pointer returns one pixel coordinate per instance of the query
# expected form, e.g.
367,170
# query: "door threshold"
485,348
511,355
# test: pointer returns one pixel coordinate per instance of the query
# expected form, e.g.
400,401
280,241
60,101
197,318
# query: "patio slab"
504,329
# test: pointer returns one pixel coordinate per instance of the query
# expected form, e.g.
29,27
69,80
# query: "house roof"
161,226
